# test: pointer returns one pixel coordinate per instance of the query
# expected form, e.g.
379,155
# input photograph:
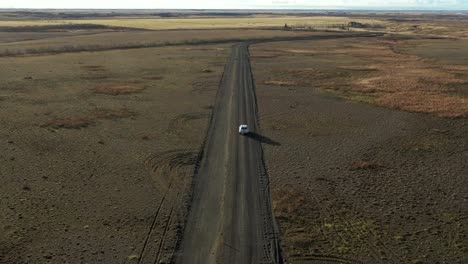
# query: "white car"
243,129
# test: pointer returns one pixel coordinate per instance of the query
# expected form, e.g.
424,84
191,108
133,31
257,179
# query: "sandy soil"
353,182
98,151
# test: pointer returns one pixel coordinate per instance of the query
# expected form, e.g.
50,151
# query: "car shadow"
262,139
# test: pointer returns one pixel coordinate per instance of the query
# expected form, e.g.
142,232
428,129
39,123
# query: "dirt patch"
75,122
439,104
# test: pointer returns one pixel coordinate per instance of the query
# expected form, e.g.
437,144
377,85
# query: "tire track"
168,169
178,125
150,232
158,256
167,166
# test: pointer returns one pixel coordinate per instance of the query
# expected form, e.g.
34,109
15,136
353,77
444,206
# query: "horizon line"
249,9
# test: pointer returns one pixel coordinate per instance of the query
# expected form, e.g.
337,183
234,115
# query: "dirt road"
230,218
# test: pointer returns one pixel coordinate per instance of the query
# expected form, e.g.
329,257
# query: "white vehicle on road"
243,130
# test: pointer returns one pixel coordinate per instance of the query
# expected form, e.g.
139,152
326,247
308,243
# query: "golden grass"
388,78
443,105
195,23
412,84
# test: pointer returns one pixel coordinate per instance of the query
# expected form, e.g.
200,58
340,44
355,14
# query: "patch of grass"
362,98
443,105
107,113
134,257
74,122
117,88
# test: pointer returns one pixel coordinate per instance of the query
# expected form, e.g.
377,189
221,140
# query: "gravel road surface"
230,219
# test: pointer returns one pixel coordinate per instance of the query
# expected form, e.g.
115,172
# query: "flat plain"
104,116
98,148
352,179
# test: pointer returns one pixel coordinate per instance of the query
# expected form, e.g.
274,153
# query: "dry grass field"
374,71
93,145
354,178
201,23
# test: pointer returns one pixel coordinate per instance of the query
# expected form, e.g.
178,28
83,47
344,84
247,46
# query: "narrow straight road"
230,219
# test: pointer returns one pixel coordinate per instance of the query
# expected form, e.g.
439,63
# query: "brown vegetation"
107,113
388,78
373,181
288,202
118,88
77,122
440,104
72,152
74,122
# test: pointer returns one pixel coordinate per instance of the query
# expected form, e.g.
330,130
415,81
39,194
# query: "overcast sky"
241,4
